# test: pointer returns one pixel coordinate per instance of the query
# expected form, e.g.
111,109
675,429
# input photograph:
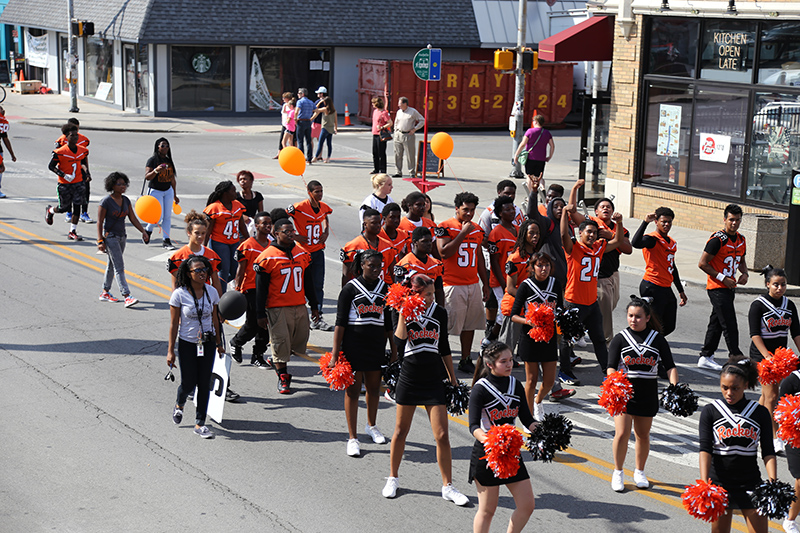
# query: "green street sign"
428,64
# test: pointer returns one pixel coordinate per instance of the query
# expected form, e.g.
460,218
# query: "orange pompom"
502,446
705,501
615,392
396,295
787,415
413,307
506,304
777,367
340,376
542,320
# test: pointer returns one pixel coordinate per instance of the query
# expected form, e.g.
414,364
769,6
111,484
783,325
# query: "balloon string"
454,174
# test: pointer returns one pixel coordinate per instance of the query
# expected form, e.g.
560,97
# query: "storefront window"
201,78
779,60
143,72
666,154
274,71
728,51
673,47
99,68
775,148
720,125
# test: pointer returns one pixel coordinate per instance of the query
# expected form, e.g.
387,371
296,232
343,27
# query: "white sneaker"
451,494
582,342
640,479
538,411
375,433
389,396
617,483
390,489
709,363
790,527
779,446
353,448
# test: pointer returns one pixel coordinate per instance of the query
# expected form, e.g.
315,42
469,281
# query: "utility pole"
72,62
519,90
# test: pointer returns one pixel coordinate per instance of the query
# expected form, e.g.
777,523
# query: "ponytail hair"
488,355
741,366
644,304
770,272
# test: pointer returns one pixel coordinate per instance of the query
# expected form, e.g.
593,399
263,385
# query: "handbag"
523,157
385,134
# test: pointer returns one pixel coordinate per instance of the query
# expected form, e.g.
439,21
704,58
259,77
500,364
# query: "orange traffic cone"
347,116
21,76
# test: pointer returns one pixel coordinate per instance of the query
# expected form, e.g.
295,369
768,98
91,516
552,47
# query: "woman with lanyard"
111,235
731,429
368,240
637,350
194,321
363,325
159,174
253,201
226,228
772,318
426,363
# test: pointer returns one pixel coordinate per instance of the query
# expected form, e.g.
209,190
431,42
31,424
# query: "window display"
201,78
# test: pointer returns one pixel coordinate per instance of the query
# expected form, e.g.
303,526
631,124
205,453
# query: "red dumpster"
470,94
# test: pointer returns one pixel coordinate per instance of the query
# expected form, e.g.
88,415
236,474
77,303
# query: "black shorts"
492,302
645,397
533,167
793,458
71,196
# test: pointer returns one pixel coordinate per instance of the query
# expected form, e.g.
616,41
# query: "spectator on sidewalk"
536,141
286,114
327,114
407,121
305,109
381,123
316,120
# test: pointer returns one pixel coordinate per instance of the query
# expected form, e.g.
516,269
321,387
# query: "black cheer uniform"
363,314
422,373
546,292
731,433
773,320
494,401
791,385
638,353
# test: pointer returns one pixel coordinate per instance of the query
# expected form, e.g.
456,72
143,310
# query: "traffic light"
530,60
503,60
88,28
82,27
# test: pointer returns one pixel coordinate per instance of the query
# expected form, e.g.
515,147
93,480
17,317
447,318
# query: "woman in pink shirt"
381,120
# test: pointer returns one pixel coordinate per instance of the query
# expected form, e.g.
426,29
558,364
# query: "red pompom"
705,501
340,376
413,307
506,304
615,392
787,415
542,320
396,296
774,369
502,446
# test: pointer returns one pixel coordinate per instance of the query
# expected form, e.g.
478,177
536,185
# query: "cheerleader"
363,324
772,317
730,431
495,392
427,362
791,385
637,351
541,288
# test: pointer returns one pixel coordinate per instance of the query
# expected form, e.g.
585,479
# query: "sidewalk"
51,110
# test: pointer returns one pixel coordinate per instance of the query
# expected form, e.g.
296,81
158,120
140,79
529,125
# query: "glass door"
129,52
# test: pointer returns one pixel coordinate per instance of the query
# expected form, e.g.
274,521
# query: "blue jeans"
324,136
317,267
303,134
115,247
165,198
227,264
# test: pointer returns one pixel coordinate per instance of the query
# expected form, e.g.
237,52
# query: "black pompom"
457,398
679,400
569,325
773,499
391,373
553,434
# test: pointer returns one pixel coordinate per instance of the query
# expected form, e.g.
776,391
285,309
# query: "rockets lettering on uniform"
640,361
775,322
423,334
497,414
723,432
367,309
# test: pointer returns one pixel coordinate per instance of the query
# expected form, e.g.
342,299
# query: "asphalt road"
88,443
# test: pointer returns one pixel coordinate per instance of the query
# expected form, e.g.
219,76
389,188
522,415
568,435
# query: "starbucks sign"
201,63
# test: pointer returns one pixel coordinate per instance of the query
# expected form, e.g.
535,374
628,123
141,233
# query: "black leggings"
251,328
379,154
196,372
665,305
592,319
722,320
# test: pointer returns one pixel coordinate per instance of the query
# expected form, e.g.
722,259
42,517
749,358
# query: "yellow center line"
566,459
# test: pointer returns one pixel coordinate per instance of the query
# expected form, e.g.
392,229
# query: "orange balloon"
442,145
177,209
292,160
148,209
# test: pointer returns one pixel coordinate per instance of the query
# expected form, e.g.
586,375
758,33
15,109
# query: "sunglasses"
203,270
170,376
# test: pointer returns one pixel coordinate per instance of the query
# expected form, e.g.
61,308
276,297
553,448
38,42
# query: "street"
89,445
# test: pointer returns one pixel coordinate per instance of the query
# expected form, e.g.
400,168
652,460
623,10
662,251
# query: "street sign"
428,64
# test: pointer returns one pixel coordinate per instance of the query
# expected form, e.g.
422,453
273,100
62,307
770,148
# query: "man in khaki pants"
407,121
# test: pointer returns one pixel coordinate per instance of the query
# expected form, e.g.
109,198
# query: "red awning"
591,40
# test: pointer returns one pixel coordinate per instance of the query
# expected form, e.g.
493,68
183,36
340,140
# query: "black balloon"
232,305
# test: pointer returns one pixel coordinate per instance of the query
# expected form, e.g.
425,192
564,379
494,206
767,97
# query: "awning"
591,40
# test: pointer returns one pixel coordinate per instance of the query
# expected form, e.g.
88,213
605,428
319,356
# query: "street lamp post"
72,62
519,89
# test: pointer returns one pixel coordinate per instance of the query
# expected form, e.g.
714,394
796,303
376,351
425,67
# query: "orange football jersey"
400,244
176,259
286,275
83,140
246,254
727,260
660,260
501,241
461,268
411,265
516,264
69,162
348,253
583,266
408,226
308,223
226,221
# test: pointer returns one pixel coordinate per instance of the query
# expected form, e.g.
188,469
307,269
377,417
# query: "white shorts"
464,304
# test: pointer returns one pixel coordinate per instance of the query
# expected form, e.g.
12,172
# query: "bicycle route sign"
428,64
